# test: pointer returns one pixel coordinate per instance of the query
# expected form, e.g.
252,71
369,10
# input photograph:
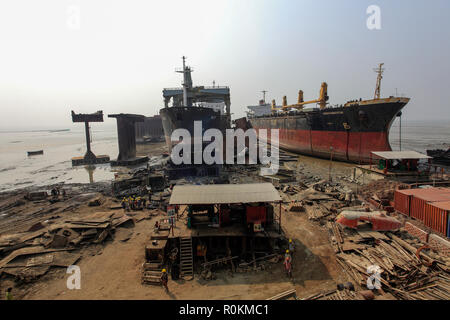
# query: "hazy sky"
124,53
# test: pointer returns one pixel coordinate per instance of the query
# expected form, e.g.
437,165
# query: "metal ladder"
186,258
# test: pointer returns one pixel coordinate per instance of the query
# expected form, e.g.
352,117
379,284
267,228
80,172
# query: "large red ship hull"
347,146
348,133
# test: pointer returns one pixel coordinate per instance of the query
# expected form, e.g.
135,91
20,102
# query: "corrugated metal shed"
399,155
224,193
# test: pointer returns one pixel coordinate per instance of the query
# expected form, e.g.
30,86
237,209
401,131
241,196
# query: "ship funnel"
300,96
284,101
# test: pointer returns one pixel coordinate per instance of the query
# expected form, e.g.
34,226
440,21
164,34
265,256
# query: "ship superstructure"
194,103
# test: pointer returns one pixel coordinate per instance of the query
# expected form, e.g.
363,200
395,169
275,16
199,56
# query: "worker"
138,203
144,203
287,254
288,264
123,203
130,202
8,294
164,279
291,247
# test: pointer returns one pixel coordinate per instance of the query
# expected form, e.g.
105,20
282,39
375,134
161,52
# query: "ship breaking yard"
343,215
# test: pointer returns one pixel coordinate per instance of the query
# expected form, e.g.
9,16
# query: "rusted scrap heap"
406,271
28,255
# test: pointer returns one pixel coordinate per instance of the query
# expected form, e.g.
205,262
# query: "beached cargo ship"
190,104
348,132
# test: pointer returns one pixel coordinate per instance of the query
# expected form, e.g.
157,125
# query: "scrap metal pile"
408,269
56,233
28,255
369,242
407,272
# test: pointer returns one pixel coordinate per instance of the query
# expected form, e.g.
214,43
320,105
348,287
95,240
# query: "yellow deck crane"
322,100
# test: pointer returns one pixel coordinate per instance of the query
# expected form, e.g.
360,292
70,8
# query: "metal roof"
423,192
394,155
433,196
224,193
444,205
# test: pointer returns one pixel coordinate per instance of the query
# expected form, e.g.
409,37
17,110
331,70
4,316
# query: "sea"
18,170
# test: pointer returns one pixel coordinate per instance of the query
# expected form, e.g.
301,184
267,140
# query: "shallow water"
17,170
421,135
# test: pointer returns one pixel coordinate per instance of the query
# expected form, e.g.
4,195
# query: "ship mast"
379,71
264,95
187,81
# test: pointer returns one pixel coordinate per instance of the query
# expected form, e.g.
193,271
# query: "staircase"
186,259
151,273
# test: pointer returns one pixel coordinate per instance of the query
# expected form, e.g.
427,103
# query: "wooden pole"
331,162
279,221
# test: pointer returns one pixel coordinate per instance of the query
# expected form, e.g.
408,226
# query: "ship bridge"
188,95
197,94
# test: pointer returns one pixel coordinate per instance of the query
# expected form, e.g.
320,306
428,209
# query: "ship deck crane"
322,100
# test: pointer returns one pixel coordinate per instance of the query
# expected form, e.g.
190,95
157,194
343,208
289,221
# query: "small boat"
35,153
60,130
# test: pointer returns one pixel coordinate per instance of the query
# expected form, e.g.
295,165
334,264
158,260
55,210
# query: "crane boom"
322,100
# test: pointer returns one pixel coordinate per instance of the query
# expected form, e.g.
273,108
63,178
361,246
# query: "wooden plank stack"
406,273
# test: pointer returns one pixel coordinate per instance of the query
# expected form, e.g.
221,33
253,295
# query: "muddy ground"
112,270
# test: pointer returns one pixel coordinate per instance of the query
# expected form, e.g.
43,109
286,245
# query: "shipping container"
436,216
446,190
420,198
402,199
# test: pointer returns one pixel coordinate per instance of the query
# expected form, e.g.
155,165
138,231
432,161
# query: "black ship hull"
348,133
184,118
